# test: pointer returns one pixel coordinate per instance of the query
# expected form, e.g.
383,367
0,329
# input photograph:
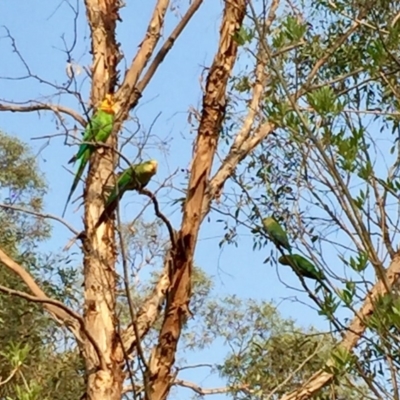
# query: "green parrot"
276,233
98,129
302,266
133,178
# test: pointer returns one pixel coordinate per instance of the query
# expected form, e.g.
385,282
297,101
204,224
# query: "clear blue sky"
38,30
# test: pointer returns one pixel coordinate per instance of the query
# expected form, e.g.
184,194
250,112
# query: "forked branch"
60,312
213,112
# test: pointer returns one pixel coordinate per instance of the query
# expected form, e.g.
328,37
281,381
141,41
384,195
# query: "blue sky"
38,30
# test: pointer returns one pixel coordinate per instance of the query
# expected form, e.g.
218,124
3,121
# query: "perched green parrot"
98,129
276,233
133,178
302,266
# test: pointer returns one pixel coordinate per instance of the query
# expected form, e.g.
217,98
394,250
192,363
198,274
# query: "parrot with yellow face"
98,129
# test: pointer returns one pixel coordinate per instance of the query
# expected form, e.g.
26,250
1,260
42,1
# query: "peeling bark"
99,246
102,16
214,103
128,94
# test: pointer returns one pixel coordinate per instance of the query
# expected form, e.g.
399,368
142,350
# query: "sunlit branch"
128,88
149,311
44,107
204,392
166,47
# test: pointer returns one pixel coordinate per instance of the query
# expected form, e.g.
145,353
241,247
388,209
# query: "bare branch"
160,215
214,105
102,17
231,161
44,107
99,244
203,392
166,47
12,373
150,310
127,92
244,144
60,315
190,385
40,215
60,312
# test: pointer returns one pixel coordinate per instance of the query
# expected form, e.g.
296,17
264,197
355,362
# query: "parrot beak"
154,165
108,103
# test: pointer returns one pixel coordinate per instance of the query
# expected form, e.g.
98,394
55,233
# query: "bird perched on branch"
135,177
302,266
98,129
276,233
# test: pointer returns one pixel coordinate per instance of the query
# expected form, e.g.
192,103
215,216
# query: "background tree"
30,361
288,125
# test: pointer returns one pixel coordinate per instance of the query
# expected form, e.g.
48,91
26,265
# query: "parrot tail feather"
66,204
77,178
107,213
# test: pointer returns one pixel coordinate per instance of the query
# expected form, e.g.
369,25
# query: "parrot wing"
133,178
276,233
115,196
302,266
103,126
98,129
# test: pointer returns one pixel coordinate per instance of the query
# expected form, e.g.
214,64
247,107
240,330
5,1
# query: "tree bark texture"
212,115
104,382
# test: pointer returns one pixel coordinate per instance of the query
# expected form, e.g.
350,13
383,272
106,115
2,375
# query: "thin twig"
40,215
160,215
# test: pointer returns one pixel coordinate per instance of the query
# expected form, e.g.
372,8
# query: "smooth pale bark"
103,383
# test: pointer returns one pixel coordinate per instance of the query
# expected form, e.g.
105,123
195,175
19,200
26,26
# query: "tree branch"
149,311
58,304
166,47
40,215
160,215
244,143
11,375
354,332
59,314
127,94
213,113
99,245
204,392
190,385
44,107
